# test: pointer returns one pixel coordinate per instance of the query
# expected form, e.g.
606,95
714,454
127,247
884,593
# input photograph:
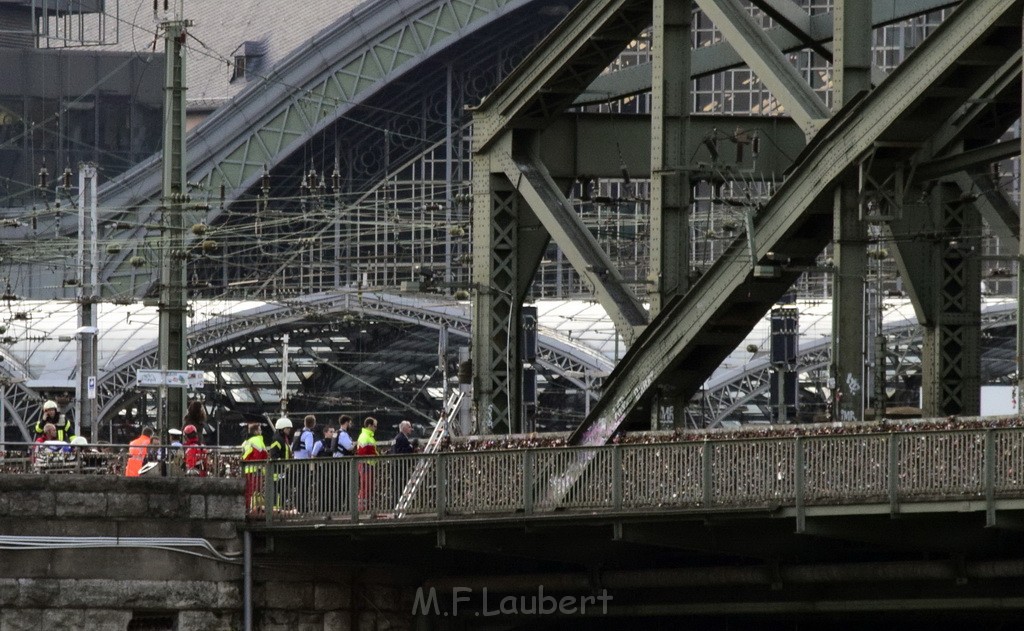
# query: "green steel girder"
539,90
538,190
698,330
985,116
767,62
269,122
497,314
995,205
969,160
547,82
722,56
951,357
851,72
669,274
795,20
596,146
917,258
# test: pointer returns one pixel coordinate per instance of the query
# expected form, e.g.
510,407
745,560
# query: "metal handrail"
110,459
797,473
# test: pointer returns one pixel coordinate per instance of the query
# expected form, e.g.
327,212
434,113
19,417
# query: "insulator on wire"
336,181
43,176
712,146
223,193
67,178
622,164
265,184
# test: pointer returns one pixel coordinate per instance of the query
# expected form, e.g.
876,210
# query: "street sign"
169,378
91,387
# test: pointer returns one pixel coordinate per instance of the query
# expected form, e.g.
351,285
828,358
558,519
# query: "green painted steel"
671,104
539,191
550,79
300,98
767,62
722,56
689,339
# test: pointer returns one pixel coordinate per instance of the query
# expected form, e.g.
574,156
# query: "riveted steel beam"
795,20
597,145
951,361
852,75
767,62
722,56
538,190
551,78
669,272
910,106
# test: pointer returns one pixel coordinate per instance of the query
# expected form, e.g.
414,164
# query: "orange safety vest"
137,455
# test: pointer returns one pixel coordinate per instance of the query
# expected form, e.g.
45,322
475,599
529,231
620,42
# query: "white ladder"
423,465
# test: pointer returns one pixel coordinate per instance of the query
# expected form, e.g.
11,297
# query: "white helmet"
283,423
50,405
79,440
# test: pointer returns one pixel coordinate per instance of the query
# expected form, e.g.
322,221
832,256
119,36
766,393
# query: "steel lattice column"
670,183
951,359
852,70
496,390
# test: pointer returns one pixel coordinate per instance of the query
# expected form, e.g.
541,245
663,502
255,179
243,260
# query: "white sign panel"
170,378
91,387
150,378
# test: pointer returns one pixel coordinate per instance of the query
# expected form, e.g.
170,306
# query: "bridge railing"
111,459
756,473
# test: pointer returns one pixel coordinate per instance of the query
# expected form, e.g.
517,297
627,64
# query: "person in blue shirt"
303,446
343,444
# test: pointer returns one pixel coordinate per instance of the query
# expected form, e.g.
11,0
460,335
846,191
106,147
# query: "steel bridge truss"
917,115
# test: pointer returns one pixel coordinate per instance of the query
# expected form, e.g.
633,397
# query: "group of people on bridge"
310,442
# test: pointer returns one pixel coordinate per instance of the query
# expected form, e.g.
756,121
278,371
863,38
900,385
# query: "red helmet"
189,430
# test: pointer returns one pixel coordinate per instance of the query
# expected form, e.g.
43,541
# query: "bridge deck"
972,470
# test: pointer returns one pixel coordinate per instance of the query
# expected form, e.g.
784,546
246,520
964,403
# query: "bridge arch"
381,46
575,365
732,390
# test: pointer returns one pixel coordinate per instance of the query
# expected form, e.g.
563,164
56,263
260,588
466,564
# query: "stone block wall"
66,584
67,580
340,603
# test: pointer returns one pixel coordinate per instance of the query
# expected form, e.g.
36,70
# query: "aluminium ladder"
423,465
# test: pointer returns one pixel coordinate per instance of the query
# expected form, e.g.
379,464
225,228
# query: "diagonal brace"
767,62
538,189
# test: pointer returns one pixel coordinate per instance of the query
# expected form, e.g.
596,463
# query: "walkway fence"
761,473
104,459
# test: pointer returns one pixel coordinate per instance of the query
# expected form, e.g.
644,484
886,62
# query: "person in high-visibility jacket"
366,445
138,451
254,450
51,414
280,448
